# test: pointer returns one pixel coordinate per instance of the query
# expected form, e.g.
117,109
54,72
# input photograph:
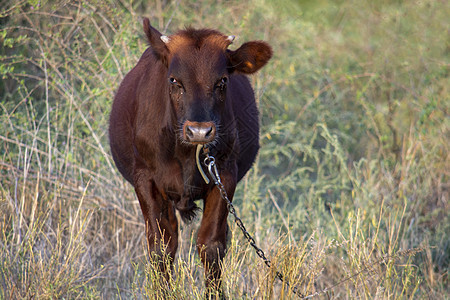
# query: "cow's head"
198,69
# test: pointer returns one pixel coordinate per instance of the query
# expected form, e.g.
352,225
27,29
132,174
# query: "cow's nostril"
189,132
209,131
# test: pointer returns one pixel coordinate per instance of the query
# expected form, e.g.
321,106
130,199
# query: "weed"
349,194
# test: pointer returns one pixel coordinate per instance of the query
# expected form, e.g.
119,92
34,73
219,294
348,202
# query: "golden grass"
348,198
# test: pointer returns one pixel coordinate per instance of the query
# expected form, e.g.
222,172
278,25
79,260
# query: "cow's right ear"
158,45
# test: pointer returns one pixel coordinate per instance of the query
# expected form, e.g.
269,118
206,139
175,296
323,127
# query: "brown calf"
187,89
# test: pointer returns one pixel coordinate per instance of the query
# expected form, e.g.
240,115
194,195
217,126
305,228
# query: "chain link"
212,168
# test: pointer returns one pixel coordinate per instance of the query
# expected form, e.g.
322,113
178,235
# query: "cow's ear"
249,58
156,42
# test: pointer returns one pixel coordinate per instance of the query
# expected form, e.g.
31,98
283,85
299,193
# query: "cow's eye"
177,86
222,83
176,83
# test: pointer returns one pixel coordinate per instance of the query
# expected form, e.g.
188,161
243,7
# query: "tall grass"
349,195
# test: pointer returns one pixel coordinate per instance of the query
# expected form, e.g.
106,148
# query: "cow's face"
199,66
198,80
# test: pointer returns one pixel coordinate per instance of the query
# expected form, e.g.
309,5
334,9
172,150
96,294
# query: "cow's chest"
182,179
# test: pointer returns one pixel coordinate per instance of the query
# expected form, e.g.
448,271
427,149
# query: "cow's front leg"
160,219
212,235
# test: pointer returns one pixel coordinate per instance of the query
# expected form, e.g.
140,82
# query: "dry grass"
349,197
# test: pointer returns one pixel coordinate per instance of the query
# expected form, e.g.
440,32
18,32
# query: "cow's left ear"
158,45
249,58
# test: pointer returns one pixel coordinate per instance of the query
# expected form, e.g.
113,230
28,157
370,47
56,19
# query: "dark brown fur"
191,90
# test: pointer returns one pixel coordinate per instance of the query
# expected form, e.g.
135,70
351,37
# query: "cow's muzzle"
199,132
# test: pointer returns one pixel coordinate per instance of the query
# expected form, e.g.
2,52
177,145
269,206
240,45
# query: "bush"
349,195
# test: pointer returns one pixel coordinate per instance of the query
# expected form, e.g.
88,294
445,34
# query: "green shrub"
349,194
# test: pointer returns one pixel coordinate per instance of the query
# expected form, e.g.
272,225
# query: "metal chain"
210,162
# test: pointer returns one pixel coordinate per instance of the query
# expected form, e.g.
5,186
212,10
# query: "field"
349,196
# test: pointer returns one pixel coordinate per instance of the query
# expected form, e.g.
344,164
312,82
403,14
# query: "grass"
349,195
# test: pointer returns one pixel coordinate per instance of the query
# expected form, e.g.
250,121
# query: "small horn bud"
230,38
165,39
